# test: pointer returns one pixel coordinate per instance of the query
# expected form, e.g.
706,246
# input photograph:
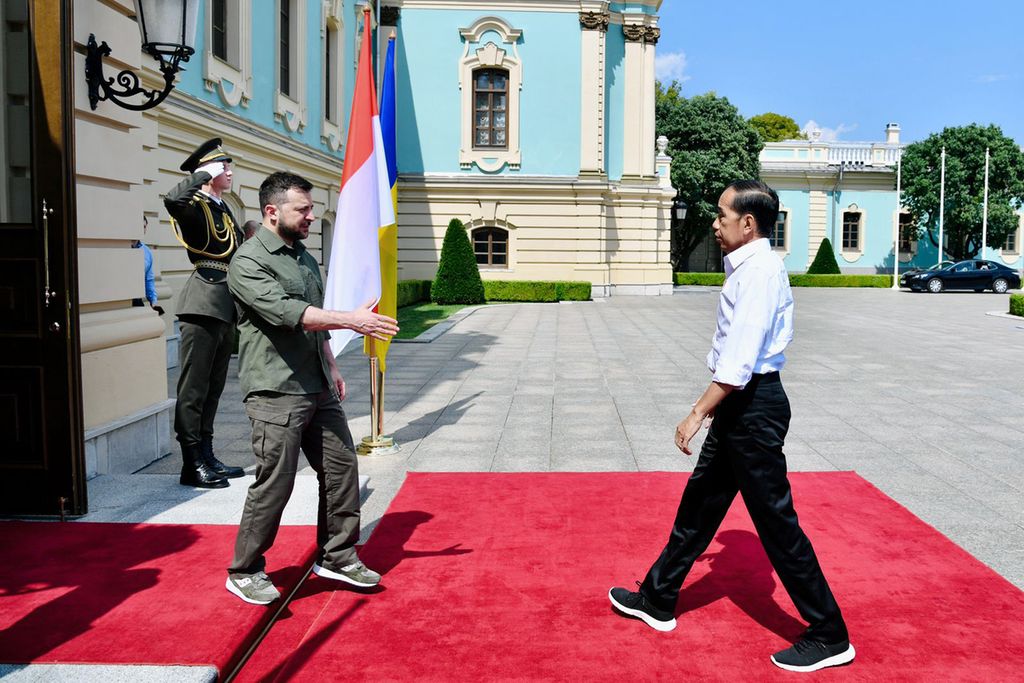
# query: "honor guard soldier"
203,224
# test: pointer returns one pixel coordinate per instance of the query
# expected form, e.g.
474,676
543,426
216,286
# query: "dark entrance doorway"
41,453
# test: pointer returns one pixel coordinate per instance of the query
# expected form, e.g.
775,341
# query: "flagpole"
984,214
896,232
376,443
942,203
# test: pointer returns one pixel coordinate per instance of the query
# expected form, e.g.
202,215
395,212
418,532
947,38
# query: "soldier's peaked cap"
204,154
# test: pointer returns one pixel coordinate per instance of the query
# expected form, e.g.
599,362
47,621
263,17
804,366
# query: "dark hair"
276,186
757,199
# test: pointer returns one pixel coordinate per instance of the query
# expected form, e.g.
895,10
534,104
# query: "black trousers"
204,355
743,453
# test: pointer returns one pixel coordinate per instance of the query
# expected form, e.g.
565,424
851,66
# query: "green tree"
824,262
458,277
965,187
775,127
711,145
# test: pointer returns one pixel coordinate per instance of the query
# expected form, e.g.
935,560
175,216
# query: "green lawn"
416,318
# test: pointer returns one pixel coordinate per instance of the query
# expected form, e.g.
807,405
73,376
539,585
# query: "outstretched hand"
370,324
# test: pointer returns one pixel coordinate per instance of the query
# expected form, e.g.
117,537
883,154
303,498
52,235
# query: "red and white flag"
364,203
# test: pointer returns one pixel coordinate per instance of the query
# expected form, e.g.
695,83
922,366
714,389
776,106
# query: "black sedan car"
975,274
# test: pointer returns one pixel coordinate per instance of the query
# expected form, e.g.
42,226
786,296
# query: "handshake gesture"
362,320
370,324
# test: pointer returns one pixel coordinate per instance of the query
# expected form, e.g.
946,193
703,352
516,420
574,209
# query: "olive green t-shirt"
273,285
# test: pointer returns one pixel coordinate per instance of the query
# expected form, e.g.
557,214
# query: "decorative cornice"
651,34
595,21
389,15
634,32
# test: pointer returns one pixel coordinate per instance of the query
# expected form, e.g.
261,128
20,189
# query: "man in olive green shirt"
293,391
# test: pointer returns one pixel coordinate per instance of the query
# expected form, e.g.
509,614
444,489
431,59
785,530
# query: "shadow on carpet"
93,593
505,577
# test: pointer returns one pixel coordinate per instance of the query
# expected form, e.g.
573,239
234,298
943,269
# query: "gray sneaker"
357,574
254,588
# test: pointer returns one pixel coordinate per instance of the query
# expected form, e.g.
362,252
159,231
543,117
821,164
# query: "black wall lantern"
168,29
679,208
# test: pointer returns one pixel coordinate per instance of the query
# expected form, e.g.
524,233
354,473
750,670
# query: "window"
491,247
285,48
777,238
490,81
330,75
851,230
1011,241
908,232
291,50
228,53
219,29
490,97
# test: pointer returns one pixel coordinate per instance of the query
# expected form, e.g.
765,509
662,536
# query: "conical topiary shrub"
458,278
824,261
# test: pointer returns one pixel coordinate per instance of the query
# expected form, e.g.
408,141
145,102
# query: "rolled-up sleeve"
256,288
753,315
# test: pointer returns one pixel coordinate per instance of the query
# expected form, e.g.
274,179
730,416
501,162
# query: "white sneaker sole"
328,574
663,626
234,589
835,660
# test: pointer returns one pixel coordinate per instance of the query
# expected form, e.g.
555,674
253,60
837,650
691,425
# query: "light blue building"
846,191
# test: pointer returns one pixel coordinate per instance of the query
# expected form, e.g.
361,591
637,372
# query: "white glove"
214,168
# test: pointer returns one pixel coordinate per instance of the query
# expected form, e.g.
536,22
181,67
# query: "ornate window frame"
1011,256
510,233
490,56
291,110
851,254
490,252
231,79
783,249
334,22
906,255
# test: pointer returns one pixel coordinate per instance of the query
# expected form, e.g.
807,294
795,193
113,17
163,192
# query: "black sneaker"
811,655
636,605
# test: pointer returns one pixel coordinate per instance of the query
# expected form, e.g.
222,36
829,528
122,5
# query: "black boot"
206,446
195,471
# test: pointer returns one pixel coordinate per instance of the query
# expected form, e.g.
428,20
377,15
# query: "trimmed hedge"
1017,304
413,292
824,261
458,276
705,279
536,290
795,280
809,280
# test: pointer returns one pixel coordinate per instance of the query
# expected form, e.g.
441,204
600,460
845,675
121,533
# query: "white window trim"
510,256
233,83
334,21
784,249
852,255
490,56
905,256
1012,256
291,111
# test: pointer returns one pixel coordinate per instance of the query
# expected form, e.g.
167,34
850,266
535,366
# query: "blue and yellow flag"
388,235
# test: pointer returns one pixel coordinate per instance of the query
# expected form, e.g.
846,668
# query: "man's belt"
216,265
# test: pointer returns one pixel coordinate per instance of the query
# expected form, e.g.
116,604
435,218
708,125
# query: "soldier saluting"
203,224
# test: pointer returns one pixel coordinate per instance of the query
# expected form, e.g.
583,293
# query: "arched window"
490,109
491,247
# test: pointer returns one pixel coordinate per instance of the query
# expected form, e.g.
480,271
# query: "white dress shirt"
755,316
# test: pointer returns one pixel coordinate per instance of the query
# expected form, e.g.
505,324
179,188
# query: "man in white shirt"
743,450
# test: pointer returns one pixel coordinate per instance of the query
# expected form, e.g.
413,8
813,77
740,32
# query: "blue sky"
852,67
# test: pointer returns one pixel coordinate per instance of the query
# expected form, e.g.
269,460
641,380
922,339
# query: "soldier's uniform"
209,232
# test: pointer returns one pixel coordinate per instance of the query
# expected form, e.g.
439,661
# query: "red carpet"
505,576
131,593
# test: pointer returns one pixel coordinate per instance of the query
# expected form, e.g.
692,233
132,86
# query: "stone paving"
918,393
